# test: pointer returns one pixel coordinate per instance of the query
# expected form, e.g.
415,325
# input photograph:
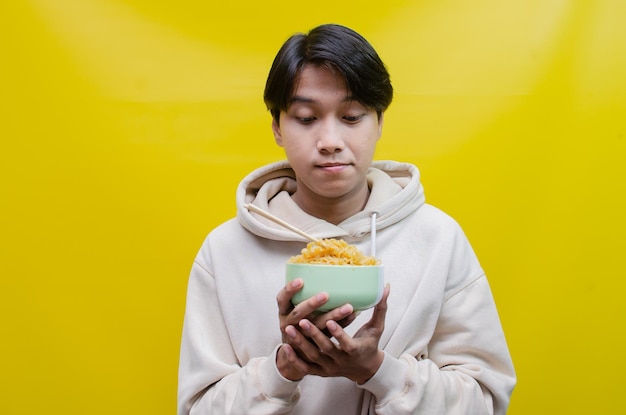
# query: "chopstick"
279,221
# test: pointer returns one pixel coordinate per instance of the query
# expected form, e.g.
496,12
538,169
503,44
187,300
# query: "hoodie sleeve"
467,369
211,380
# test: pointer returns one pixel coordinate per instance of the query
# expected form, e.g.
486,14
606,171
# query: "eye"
352,119
305,120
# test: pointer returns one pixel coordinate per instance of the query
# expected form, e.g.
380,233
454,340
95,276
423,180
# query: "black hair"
336,47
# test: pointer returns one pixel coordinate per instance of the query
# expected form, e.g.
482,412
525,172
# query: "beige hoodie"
445,352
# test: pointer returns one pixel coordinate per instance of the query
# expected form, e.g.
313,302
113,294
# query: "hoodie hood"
395,193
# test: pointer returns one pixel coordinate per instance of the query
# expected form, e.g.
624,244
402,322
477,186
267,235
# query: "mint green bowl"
362,286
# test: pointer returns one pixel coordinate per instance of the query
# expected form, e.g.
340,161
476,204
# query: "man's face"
328,137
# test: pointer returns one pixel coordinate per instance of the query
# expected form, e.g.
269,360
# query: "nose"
329,138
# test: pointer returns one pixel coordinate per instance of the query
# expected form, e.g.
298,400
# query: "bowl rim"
334,265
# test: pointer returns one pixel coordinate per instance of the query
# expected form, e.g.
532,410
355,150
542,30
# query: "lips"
333,167
332,164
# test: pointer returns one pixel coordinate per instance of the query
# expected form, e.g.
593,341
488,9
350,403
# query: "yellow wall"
126,126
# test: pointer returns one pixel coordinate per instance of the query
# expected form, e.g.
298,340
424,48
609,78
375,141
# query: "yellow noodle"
332,252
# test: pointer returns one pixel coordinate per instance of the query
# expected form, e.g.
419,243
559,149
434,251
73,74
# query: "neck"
333,210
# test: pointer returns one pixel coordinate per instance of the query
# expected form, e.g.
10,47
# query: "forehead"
315,82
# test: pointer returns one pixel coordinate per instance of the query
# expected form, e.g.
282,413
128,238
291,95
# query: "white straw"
279,221
373,235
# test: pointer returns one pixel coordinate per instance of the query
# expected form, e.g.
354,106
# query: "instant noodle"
332,252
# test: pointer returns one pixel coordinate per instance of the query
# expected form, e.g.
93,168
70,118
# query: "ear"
278,137
381,119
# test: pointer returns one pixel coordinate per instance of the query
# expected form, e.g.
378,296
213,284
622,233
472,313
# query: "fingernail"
285,349
346,309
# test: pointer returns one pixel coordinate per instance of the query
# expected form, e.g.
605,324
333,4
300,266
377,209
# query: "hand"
290,317
310,351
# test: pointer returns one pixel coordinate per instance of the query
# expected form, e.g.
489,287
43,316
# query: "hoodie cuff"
274,385
389,380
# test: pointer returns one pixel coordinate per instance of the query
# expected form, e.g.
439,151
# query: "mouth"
333,167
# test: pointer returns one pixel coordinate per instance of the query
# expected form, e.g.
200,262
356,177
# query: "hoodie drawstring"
373,235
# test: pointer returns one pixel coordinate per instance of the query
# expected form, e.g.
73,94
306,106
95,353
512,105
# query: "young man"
434,343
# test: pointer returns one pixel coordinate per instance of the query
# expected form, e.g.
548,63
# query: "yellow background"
126,126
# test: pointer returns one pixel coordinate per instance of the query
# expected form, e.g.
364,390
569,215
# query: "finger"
345,322
380,310
321,340
344,341
375,326
296,364
284,296
305,346
336,314
291,331
296,340
308,307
